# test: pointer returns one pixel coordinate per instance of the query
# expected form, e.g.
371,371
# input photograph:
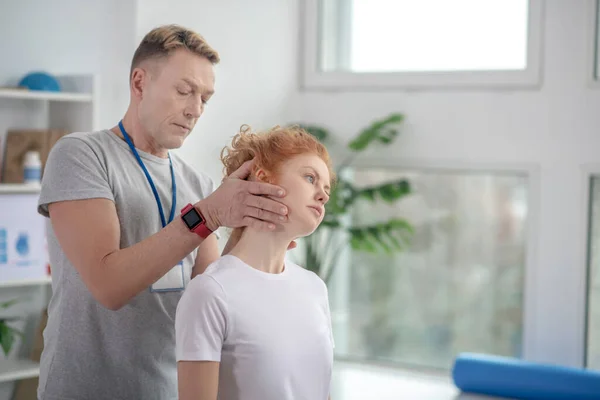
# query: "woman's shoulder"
216,274
308,276
205,285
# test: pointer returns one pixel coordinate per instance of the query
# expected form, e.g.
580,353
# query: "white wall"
257,42
61,37
70,37
555,129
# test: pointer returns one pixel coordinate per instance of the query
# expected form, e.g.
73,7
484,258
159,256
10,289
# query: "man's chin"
174,144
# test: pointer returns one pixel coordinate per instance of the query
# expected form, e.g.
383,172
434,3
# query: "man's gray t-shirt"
91,352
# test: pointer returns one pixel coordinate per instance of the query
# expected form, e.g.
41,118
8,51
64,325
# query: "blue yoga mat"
517,379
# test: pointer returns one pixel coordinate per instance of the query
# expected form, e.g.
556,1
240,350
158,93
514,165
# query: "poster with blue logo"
23,253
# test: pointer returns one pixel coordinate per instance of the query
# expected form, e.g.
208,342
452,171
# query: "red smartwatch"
194,221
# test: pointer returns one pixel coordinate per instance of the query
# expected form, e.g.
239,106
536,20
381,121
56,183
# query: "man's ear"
138,80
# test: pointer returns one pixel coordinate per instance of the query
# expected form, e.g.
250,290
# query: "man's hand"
238,202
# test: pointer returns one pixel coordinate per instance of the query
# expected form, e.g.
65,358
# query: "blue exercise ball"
40,81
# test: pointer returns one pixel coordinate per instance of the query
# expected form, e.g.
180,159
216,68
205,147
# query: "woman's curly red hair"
271,148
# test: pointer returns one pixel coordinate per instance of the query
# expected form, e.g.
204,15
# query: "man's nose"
194,110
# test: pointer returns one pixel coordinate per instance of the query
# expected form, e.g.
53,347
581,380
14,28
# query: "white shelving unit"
39,95
26,282
13,188
73,109
12,370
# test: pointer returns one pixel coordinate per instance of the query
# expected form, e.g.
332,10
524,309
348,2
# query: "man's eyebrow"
317,174
195,87
190,82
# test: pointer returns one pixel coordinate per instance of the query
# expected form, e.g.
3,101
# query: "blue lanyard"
174,186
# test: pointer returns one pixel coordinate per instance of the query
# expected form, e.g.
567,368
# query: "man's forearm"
127,272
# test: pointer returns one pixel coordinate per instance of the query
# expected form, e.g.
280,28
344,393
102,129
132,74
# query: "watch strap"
200,229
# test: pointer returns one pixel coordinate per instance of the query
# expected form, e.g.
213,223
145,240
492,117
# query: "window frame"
315,80
593,46
590,171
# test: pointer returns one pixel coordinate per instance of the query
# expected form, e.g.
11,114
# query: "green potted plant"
336,231
8,334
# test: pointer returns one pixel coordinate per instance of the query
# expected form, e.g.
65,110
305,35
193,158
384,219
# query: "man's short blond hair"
160,42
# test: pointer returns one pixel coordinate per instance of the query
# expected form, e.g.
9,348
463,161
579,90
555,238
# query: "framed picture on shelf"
18,143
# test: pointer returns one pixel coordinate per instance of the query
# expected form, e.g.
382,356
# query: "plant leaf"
383,131
341,197
389,192
385,236
7,338
9,303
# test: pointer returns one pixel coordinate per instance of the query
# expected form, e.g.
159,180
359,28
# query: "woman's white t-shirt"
271,333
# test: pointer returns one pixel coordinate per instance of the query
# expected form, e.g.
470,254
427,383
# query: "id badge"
172,281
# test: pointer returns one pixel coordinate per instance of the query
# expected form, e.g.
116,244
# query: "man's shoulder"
80,139
192,173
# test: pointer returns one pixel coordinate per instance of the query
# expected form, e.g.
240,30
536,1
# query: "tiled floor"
360,382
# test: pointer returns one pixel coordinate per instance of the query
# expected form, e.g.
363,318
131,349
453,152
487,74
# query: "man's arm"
208,252
198,380
88,232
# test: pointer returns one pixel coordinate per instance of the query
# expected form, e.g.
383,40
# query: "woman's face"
307,183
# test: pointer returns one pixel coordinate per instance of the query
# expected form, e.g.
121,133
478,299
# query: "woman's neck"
262,250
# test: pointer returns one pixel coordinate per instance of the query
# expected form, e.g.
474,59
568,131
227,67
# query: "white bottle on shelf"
32,168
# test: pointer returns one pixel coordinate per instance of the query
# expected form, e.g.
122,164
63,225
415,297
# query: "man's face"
172,96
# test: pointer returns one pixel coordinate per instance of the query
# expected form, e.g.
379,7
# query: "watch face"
192,218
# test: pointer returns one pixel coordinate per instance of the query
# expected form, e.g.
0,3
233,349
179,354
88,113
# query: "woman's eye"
310,178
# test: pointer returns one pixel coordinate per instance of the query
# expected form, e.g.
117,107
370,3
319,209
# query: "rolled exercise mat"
523,380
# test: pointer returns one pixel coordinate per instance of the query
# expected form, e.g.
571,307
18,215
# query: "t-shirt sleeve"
328,313
73,171
201,321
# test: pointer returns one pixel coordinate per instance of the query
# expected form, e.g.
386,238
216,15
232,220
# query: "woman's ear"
262,175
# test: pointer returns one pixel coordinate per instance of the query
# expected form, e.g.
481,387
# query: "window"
457,287
425,43
593,314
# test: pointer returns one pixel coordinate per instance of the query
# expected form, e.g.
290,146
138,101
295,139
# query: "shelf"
17,188
26,282
13,370
41,95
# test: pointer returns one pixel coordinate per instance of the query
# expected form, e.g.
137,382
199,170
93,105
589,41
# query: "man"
131,224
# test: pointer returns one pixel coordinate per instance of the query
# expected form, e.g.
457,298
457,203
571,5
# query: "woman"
254,325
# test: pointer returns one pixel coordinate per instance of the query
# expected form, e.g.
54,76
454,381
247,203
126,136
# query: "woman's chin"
301,227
